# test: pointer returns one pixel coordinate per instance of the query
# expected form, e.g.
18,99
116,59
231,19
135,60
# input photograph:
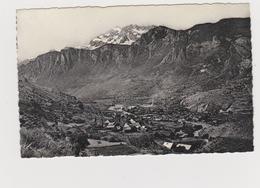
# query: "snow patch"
126,35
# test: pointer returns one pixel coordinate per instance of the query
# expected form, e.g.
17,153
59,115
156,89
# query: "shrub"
37,143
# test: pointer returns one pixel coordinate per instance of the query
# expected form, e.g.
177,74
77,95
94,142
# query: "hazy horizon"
57,28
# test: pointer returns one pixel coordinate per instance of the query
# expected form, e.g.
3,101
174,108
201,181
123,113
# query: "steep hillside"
39,105
51,122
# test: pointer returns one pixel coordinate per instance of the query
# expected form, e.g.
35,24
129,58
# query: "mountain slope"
161,63
51,121
38,104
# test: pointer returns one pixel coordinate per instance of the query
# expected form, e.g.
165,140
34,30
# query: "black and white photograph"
134,80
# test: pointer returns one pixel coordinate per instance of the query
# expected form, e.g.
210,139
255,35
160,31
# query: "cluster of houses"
177,147
124,119
129,125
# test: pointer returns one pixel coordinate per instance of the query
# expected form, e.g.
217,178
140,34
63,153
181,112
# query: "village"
145,129
118,127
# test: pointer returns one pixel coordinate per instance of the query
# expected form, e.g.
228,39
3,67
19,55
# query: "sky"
43,30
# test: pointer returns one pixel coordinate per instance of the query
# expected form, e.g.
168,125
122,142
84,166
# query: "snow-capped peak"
125,35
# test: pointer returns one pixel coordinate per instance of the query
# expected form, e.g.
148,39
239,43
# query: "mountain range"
206,62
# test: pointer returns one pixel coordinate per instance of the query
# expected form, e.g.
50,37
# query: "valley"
169,91
104,127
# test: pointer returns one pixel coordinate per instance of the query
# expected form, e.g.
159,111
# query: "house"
126,127
143,128
186,146
129,128
109,125
168,145
51,124
136,124
132,121
117,107
131,107
181,134
117,127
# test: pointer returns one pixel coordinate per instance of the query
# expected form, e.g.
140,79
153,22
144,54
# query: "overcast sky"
42,30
